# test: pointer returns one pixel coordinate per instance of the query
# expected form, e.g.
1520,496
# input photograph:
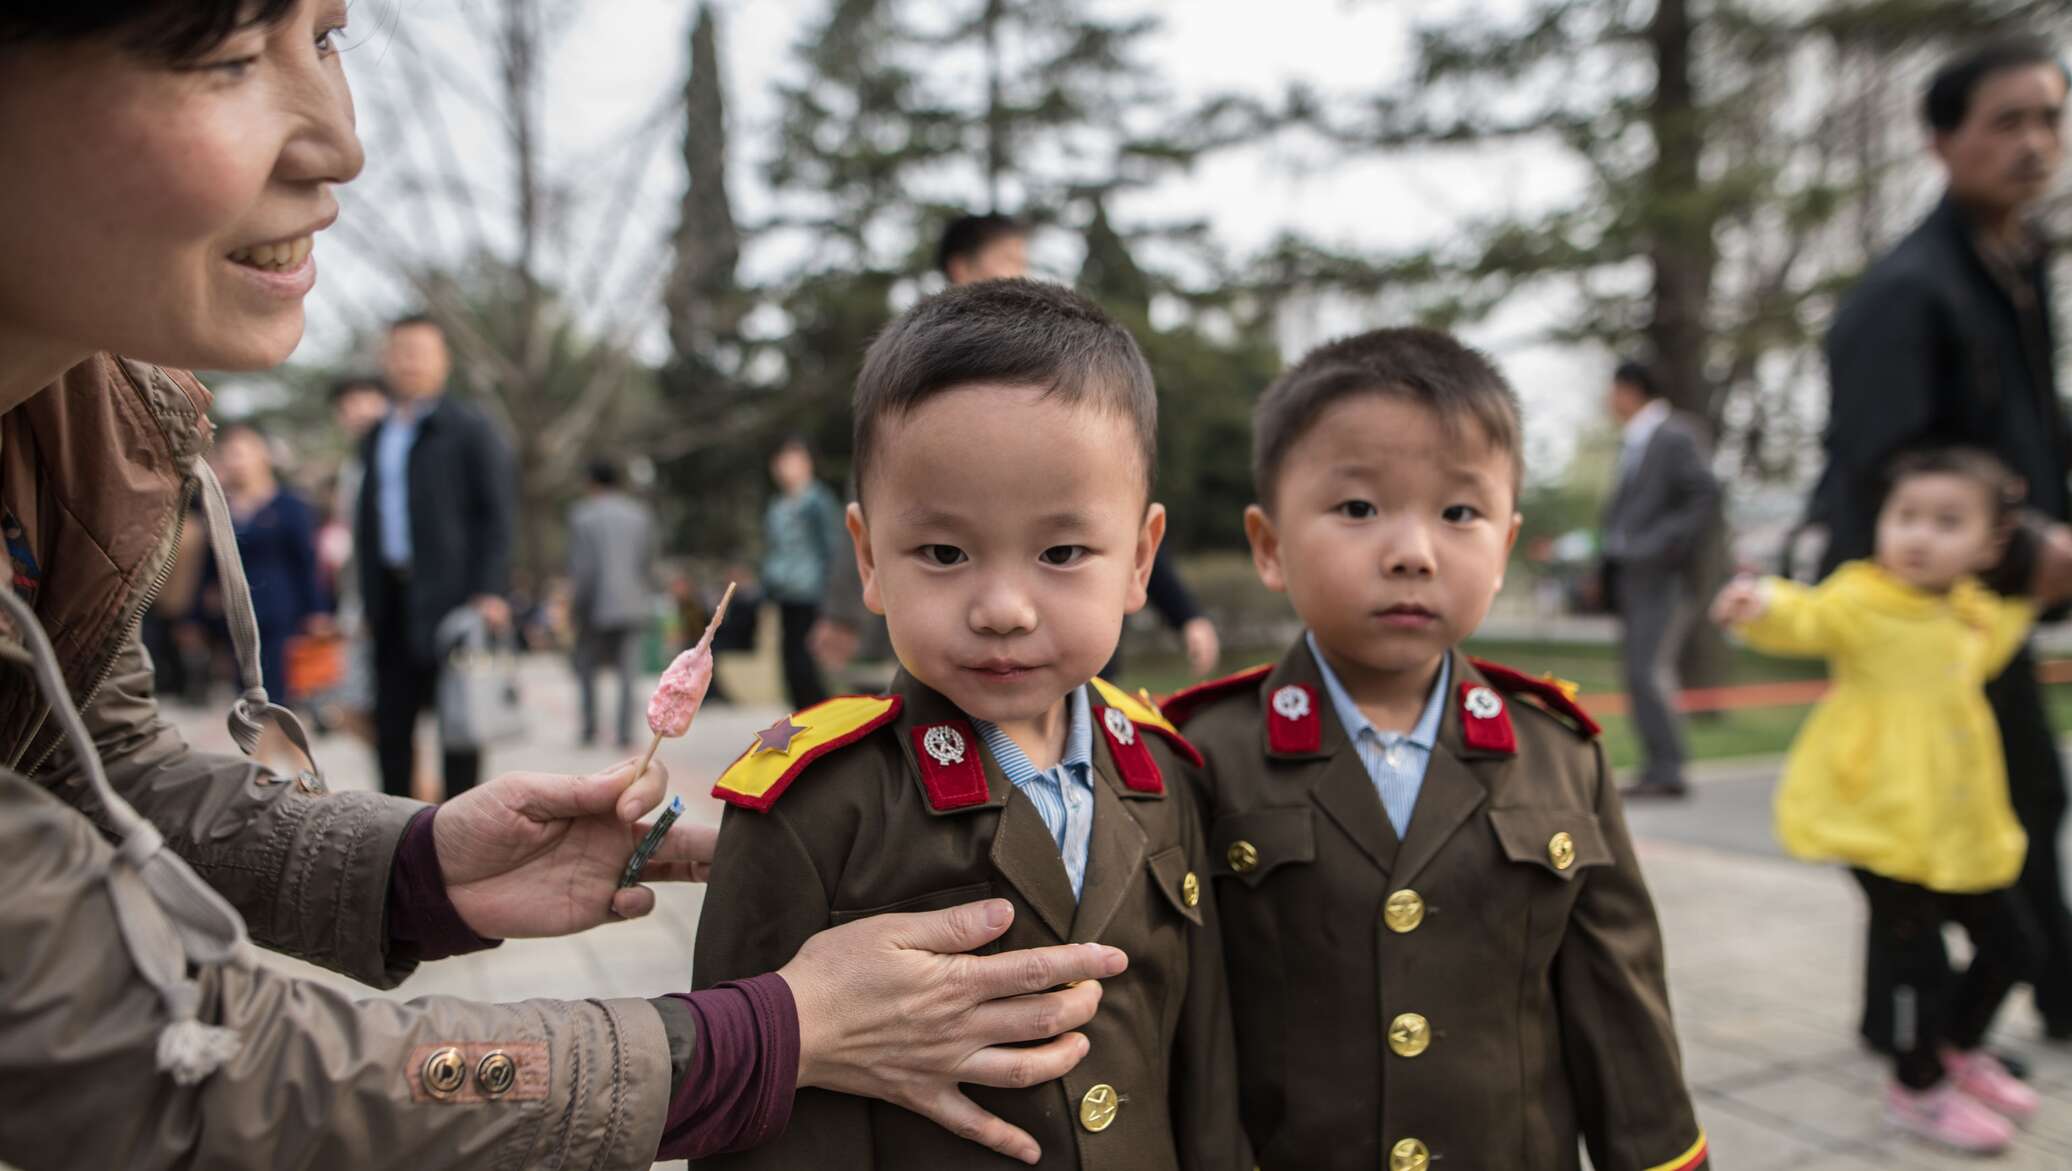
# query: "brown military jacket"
891,804
1476,995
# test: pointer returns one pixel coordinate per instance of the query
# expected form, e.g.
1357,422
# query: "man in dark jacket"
435,524
1948,340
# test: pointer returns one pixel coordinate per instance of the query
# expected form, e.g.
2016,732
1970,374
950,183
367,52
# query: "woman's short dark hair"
1948,100
174,30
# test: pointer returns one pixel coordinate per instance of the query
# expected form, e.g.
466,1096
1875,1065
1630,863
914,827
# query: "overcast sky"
622,58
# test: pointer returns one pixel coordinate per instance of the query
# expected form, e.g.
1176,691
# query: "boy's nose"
1408,552
1002,607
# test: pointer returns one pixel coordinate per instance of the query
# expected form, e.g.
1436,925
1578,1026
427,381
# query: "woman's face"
165,212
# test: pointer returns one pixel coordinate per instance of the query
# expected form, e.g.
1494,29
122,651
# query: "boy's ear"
866,565
1266,548
1510,543
1149,537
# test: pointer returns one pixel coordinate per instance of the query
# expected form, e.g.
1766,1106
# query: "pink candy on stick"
683,686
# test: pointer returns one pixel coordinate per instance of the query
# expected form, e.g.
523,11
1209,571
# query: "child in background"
1898,772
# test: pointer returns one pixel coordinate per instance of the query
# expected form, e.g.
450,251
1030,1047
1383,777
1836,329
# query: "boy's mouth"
1407,615
1001,670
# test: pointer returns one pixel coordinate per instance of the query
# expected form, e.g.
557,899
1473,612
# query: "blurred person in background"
1947,340
277,541
803,538
1663,501
358,404
611,573
433,534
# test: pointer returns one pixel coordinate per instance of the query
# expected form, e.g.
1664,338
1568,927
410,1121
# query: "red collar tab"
951,771
1485,723
1132,755
1293,722
1556,696
1180,706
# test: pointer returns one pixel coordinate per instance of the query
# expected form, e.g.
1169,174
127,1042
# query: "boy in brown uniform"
1440,948
1004,446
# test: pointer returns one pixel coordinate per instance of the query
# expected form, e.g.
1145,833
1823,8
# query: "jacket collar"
1457,776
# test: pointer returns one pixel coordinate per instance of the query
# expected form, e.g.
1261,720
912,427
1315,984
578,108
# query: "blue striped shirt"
1394,760
1064,793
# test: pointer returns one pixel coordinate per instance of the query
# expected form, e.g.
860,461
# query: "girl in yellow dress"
1898,773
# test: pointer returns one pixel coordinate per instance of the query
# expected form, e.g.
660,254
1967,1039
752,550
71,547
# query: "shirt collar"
1078,757
1426,731
1644,421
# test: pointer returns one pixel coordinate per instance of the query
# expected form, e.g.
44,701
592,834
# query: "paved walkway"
1764,956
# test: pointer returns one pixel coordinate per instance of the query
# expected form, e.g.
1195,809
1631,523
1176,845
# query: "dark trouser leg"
2036,786
1654,612
2002,951
398,694
585,663
801,674
627,655
1912,917
461,768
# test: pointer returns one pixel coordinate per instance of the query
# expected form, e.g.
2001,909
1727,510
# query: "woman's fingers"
960,1116
1037,969
1035,1017
1017,1067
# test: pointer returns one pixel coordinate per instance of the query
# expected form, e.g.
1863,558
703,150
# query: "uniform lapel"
1023,851
1455,785
1336,779
1115,851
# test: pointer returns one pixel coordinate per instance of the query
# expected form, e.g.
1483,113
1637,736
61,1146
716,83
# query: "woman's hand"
534,854
889,1009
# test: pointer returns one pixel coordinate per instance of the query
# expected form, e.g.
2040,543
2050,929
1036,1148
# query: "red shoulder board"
1553,694
1181,705
782,751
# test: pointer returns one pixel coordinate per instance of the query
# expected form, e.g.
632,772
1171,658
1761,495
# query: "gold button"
1242,856
1409,1035
444,1071
1403,912
1562,850
497,1073
1097,1109
1409,1155
1190,889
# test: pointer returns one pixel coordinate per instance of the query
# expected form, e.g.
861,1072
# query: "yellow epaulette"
782,751
1143,712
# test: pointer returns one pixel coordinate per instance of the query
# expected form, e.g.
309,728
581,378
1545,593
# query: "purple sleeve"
422,922
736,1092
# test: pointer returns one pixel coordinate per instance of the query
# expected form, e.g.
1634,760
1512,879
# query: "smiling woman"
168,164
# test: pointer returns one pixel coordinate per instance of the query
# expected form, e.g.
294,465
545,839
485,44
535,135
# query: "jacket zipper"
130,628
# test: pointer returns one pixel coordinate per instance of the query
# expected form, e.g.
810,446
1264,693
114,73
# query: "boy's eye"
1355,509
942,554
1460,514
1063,554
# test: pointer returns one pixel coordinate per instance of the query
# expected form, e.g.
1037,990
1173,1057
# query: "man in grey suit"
1662,502
611,557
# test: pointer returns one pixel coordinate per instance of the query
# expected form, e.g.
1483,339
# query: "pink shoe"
1982,1078
1947,1116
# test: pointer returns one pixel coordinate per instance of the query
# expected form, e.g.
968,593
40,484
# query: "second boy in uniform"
1441,951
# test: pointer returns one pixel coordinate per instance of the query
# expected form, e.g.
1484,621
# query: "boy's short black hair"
1006,333
176,32
1948,100
1638,376
1424,366
344,386
2003,488
968,235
